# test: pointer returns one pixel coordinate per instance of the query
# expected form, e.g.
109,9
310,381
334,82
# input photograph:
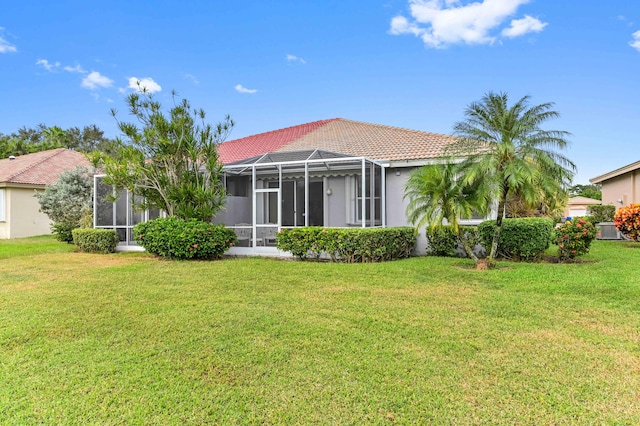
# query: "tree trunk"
498,229
467,248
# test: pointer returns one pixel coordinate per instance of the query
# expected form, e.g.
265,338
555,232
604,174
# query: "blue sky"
272,64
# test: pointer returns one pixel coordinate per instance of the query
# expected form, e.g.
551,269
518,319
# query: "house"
20,177
332,173
620,187
577,206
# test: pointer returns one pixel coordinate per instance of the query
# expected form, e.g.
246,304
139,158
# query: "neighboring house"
577,206
20,178
620,187
332,173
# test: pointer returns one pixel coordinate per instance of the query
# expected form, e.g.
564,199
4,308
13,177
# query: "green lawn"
128,339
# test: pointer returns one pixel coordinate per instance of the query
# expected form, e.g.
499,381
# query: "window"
3,205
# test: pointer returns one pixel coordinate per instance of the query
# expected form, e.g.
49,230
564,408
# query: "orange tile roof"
356,138
263,143
40,168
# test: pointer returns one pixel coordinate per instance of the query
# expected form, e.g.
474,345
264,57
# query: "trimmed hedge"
63,231
95,240
442,241
184,239
520,239
350,245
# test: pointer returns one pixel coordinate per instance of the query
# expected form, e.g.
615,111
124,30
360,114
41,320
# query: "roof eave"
615,173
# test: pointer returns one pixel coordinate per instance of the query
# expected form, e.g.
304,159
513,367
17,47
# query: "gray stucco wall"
397,205
335,204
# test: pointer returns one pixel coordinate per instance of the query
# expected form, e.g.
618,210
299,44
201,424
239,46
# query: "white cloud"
54,66
440,23
5,46
95,80
635,43
146,84
520,27
47,65
241,89
294,58
77,69
192,78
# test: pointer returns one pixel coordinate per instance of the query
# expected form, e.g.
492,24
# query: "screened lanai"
273,191
300,188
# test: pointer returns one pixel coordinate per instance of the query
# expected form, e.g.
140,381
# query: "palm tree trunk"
467,248
498,229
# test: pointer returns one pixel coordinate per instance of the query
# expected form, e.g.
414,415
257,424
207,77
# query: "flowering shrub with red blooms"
627,220
573,238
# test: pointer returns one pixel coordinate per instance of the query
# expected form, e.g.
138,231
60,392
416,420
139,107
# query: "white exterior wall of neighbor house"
23,217
4,227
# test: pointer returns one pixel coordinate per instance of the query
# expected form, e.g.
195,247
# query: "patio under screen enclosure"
273,191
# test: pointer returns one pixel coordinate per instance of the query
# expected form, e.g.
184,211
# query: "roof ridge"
394,127
321,122
54,152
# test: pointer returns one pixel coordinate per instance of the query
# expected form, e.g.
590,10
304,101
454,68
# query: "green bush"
573,238
520,239
62,231
442,241
602,213
184,239
348,245
95,240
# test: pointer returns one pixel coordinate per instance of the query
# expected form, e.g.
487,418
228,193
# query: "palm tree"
439,192
506,147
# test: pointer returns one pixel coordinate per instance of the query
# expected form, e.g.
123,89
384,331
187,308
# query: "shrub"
573,238
601,213
299,241
442,240
62,231
627,220
95,240
184,239
348,245
67,202
520,239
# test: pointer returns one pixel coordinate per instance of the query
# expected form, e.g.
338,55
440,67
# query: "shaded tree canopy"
589,191
41,138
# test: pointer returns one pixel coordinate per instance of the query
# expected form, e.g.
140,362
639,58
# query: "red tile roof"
263,143
356,138
40,168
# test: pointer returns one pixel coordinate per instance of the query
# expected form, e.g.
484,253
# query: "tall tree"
439,192
589,191
508,149
169,161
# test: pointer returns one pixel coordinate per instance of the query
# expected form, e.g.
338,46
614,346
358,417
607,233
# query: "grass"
126,338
